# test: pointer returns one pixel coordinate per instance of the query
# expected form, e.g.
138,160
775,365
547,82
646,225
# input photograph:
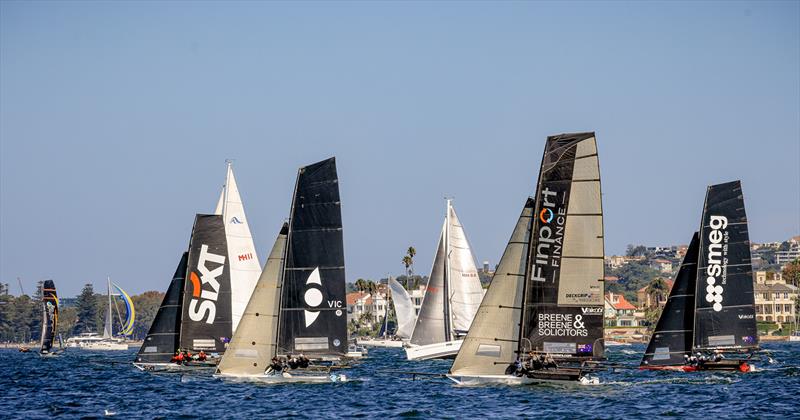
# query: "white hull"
103,346
479,380
285,378
170,367
795,338
446,350
380,343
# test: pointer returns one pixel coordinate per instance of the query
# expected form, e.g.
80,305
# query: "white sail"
108,331
465,288
244,266
255,341
490,345
218,209
403,308
430,324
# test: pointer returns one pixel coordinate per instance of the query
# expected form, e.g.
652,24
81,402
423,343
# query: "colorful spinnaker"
130,312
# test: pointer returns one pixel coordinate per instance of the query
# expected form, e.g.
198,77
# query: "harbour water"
85,384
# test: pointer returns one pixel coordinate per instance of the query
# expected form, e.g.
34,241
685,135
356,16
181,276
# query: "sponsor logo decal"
746,316
313,297
584,348
562,325
245,257
235,221
205,287
717,252
551,236
592,311
749,339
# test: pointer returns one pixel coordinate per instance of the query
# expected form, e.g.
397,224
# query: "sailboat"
108,342
210,288
49,319
297,306
711,308
404,312
546,296
452,296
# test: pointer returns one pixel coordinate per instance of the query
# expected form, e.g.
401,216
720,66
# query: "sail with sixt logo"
563,298
725,309
313,318
206,320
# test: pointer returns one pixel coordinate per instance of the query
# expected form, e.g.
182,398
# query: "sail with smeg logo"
313,317
724,301
206,308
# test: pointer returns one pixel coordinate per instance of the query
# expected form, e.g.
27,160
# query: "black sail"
672,338
725,307
49,315
163,338
313,317
563,299
206,320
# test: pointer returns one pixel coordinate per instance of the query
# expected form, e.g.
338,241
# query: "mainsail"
403,309
313,314
49,315
206,306
725,309
255,341
243,260
672,338
563,302
163,338
454,290
492,341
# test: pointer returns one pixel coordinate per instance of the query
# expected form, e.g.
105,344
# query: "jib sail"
163,338
492,342
206,313
563,305
49,315
672,338
255,341
313,317
725,309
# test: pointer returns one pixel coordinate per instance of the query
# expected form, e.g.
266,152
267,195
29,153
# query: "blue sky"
116,119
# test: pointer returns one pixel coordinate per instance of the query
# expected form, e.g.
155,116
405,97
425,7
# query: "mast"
446,295
225,189
108,331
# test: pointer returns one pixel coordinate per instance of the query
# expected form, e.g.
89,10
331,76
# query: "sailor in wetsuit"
302,361
275,367
549,362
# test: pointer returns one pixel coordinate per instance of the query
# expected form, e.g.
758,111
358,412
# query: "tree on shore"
408,262
86,308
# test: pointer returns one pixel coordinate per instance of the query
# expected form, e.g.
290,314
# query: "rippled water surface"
85,384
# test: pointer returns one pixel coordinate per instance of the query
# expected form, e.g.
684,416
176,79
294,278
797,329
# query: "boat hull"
446,350
380,343
723,365
558,376
285,378
172,367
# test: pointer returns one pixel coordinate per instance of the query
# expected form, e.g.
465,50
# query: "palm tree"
408,262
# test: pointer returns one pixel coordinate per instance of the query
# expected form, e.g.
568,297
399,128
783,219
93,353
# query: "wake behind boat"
451,299
542,317
710,311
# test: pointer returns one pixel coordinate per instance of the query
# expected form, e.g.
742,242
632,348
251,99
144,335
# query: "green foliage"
632,277
86,307
636,250
791,273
